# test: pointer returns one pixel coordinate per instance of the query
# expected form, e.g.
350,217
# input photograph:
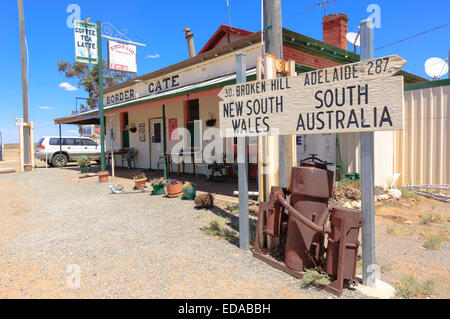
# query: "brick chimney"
335,29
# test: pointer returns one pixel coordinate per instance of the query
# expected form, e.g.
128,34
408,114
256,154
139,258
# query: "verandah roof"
85,117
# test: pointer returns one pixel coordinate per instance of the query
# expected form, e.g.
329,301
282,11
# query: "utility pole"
242,159
23,60
274,46
367,175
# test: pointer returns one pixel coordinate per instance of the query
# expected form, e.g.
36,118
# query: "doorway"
156,150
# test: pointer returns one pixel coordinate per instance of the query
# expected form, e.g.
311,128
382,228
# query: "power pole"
367,175
23,60
274,46
272,27
242,158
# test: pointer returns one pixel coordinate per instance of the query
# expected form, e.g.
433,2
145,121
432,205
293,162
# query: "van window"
69,141
54,141
88,142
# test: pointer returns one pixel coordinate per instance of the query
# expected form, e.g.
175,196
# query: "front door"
156,150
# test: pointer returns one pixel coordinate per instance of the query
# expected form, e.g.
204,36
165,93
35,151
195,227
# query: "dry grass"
430,218
433,243
410,287
218,230
396,229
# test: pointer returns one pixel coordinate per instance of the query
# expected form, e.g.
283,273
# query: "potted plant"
103,176
133,128
140,180
211,121
189,190
158,186
174,187
85,163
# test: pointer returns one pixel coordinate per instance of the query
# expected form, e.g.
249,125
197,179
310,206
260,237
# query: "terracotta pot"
103,176
174,190
140,183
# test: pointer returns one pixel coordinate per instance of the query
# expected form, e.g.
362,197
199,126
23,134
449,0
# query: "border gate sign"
357,97
85,42
122,57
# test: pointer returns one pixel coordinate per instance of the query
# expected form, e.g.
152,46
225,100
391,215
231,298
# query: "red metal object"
311,186
343,244
302,232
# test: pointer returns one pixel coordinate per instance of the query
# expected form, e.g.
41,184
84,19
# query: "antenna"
229,12
436,67
354,39
322,4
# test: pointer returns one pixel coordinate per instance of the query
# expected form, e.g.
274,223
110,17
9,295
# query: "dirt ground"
397,255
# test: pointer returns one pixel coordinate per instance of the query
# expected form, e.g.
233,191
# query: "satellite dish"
436,67
352,36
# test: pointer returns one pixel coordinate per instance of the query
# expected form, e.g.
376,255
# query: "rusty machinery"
302,225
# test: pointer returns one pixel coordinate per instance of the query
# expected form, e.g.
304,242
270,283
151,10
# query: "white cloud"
152,56
67,86
45,108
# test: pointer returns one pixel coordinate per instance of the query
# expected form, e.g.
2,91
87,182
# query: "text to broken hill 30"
359,97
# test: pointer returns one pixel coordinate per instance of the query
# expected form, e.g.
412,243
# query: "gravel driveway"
132,245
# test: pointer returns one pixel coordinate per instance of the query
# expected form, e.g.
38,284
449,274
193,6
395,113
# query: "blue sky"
160,25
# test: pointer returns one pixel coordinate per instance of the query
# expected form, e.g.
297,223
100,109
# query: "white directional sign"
85,42
354,97
122,57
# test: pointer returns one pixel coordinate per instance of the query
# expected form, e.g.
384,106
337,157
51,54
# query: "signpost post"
367,179
242,158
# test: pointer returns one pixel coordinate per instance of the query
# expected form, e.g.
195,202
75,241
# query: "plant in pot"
139,180
211,121
85,164
189,190
174,187
158,186
133,128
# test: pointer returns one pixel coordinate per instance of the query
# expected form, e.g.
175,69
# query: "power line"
413,36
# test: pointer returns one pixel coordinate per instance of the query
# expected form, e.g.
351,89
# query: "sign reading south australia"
348,98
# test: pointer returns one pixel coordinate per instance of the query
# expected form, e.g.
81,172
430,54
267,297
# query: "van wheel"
57,160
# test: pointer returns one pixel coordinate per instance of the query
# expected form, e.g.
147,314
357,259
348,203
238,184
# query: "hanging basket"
211,122
133,129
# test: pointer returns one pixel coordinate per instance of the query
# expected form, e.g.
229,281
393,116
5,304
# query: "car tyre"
57,159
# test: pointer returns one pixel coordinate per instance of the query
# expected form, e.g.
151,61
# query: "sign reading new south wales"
354,97
85,42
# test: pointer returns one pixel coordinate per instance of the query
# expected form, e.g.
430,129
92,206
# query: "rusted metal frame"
338,283
321,229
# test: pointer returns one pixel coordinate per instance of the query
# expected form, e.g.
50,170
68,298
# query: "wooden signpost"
354,97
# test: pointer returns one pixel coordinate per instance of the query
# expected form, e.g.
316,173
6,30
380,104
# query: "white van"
73,147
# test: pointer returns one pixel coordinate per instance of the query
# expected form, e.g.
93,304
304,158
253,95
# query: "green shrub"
408,194
431,218
433,243
410,286
84,160
312,276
